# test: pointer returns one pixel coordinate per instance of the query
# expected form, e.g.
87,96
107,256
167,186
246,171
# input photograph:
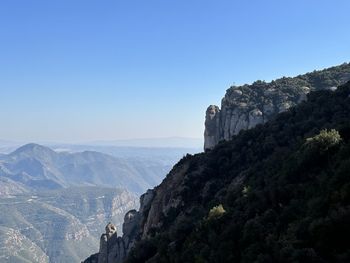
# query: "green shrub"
324,140
216,212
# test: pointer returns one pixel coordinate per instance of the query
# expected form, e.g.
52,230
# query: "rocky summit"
243,107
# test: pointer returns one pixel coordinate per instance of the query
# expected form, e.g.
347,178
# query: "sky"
84,70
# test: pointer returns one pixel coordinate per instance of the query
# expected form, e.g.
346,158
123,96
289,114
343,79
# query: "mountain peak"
33,148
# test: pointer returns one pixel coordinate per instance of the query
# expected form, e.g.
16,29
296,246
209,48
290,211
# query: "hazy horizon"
77,71
103,145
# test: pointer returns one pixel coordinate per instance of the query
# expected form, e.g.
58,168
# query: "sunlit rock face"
114,248
244,107
212,119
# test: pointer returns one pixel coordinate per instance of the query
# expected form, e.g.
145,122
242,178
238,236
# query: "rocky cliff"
60,225
279,192
114,248
175,222
243,107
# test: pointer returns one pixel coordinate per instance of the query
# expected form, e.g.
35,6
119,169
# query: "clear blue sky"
77,70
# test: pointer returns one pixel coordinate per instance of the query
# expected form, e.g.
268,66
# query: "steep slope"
245,106
9,187
58,226
279,192
15,247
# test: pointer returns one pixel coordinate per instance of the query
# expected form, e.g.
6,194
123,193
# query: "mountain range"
57,201
35,167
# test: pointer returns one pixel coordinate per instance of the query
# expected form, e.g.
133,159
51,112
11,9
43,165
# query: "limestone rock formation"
211,126
244,107
114,248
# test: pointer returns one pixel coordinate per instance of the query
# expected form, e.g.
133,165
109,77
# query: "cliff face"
279,192
173,223
114,248
243,107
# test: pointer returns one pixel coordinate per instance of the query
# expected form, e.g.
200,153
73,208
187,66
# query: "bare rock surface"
246,106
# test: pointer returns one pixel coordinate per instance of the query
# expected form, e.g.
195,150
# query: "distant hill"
36,167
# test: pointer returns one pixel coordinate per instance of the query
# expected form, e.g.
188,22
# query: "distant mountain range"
57,199
154,144
36,167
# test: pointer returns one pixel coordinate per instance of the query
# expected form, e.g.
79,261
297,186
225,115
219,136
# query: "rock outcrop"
212,124
114,248
244,107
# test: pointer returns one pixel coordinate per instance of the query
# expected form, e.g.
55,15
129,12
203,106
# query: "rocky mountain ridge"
275,193
180,220
243,107
114,248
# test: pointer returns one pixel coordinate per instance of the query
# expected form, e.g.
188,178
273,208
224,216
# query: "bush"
216,212
324,140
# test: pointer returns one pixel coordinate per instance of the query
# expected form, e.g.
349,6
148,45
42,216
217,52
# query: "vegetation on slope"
316,80
277,193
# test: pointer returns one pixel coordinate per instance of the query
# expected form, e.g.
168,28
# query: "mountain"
245,106
56,202
37,167
279,192
59,225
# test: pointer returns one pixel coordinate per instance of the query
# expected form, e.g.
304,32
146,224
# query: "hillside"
276,193
58,226
245,106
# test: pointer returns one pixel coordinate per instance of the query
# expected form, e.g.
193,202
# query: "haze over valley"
57,202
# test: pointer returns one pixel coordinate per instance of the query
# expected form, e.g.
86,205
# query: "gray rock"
131,221
113,248
246,106
255,117
103,253
110,230
212,121
145,200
